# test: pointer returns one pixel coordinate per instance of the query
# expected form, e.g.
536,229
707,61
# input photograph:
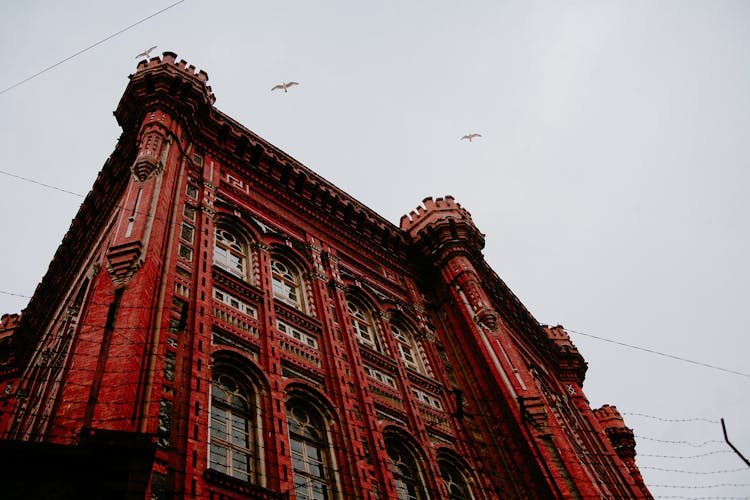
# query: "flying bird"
284,86
471,136
145,53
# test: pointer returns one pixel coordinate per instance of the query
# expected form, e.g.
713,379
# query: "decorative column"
124,256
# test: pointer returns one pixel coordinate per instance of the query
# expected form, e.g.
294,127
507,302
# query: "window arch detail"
310,449
233,428
364,325
287,282
404,464
231,251
408,348
455,477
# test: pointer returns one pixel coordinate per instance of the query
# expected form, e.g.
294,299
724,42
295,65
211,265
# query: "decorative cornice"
123,261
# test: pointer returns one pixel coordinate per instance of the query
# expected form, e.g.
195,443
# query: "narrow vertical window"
310,453
286,284
231,435
230,252
363,326
407,348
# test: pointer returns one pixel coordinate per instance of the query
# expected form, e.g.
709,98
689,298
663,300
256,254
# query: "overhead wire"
658,353
86,49
644,415
705,365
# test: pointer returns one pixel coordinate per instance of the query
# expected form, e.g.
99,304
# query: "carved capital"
317,276
426,335
337,284
328,256
257,246
384,315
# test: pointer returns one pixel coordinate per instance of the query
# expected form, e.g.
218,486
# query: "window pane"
220,255
218,458
309,451
219,423
298,463
319,491
239,431
240,463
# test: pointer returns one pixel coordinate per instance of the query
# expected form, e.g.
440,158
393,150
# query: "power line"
41,183
672,420
89,48
671,356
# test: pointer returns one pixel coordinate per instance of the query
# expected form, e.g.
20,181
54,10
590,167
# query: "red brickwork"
278,339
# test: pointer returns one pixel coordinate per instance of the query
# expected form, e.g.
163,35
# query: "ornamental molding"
146,167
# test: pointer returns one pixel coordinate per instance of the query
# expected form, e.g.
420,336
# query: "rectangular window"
380,376
236,303
189,212
198,159
169,365
181,289
303,337
186,252
191,191
427,399
408,356
187,233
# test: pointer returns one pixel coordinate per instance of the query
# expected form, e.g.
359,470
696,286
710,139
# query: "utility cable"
41,183
671,356
38,73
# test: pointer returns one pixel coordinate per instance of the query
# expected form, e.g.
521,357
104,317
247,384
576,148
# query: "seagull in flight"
471,136
145,53
284,86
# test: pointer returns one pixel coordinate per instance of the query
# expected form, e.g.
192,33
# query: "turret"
622,439
441,228
174,86
443,232
570,364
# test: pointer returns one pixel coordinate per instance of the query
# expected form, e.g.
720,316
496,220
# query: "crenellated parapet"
8,322
569,362
8,325
619,434
166,83
443,232
169,58
433,210
441,228
623,441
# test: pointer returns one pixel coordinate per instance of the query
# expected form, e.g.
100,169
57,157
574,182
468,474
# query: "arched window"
311,463
287,284
455,481
363,324
406,473
407,348
230,251
232,432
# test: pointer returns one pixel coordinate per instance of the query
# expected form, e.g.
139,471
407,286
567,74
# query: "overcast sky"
611,179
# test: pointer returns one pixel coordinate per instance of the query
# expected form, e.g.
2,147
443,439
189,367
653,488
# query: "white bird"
284,86
145,53
471,136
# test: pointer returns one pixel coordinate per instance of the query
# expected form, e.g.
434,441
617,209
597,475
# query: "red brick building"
222,323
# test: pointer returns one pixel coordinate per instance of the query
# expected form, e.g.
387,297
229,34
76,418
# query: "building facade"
231,325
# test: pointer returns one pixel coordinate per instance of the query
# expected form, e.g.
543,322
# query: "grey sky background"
611,179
